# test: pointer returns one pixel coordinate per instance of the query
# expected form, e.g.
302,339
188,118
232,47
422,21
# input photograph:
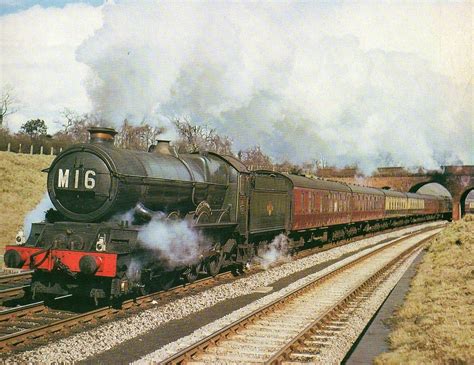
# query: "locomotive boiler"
92,245
92,182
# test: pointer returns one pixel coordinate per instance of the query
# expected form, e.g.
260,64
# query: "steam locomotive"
83,249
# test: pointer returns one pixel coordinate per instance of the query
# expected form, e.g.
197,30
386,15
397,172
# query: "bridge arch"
431,187
463,198
418,185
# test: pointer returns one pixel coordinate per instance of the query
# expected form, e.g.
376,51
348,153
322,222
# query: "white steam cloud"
38,214
175,241
272,74
276,251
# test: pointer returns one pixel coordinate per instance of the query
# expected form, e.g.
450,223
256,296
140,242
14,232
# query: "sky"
352,82
14,6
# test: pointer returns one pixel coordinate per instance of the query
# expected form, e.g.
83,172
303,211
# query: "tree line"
73,128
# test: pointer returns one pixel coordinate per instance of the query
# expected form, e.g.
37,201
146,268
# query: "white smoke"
134,269
276,251
127,216
38,214
271,74
175,241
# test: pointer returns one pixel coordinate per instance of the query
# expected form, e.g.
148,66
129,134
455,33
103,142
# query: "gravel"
339,345
88,343
207,330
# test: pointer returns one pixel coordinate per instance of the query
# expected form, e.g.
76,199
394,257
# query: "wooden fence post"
8,147
19,148
52,150
31,150
41,150
60,149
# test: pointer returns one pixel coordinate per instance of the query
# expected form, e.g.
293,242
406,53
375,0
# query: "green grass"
22,185
435,325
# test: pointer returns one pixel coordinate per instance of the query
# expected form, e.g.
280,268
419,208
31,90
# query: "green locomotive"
106,197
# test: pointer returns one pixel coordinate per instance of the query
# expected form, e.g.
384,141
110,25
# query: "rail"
189,353
11,341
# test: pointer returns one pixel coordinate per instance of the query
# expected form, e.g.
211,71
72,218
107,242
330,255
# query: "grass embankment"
435,325
22,185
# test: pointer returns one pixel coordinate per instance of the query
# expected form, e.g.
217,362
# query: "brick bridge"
458,180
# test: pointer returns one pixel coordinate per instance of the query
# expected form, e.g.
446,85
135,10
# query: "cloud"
353,82
38,59
302,80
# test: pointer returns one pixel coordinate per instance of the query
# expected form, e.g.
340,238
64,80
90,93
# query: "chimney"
102,135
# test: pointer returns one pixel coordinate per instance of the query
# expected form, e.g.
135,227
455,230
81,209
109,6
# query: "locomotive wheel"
166,280
237,269
214,264
192,273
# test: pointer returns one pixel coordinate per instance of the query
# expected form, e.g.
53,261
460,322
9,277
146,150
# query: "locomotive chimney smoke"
297,90
102,135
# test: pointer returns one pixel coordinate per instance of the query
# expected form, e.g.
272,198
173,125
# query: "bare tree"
137,137
194,138
287,166
8,103
70,118
75,125
255,158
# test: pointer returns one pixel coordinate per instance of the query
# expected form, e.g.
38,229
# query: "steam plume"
272,74
175,241
276,251
37,214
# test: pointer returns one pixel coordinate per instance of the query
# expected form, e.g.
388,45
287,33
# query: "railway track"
297,327
13,285
33,322
13,278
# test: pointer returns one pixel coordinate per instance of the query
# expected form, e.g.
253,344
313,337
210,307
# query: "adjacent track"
9,279
296,327
23,324
12,293
14,285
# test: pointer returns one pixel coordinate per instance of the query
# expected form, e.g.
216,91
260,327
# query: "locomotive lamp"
20,237
100,245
